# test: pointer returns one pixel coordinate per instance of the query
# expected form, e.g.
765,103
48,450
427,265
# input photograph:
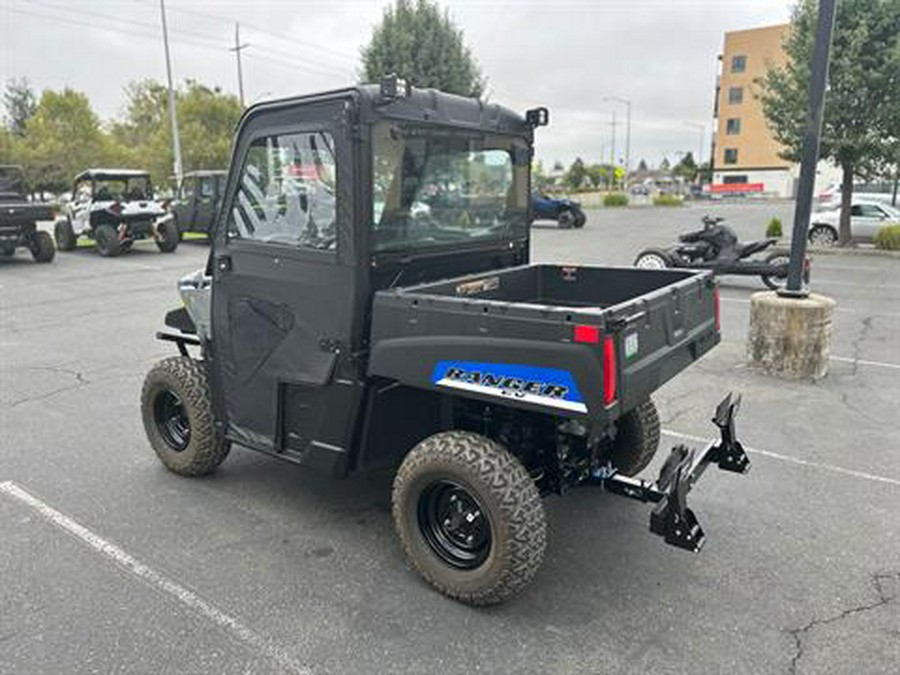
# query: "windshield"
107,189
434,187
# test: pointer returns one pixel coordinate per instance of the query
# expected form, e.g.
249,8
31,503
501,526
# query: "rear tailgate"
661,333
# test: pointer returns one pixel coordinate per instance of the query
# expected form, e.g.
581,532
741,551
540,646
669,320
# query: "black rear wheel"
580,218
42,248
637,439
167,236
107,239
469,517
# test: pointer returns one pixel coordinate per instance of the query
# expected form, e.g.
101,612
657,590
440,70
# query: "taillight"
718,311
587,334
115,208
609,370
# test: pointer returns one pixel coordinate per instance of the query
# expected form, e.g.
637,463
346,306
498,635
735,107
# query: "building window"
738,63
736,95
731,156
737,179
733,126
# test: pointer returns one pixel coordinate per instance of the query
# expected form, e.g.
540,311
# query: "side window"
735,95
286,193
738,63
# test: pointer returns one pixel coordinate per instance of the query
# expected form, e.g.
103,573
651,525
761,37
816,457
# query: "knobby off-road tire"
167,236
176,407
64,235
42,248
637,439
108,243
495,485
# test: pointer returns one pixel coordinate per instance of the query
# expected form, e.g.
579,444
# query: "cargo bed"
618,333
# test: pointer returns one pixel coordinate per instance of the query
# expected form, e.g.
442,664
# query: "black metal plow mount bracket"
671,518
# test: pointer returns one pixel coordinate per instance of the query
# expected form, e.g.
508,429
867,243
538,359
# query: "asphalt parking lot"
110,564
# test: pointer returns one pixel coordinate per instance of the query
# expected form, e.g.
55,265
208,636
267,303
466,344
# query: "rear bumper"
671,518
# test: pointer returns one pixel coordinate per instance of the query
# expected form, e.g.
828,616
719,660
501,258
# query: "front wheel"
653,259
176,408
565,219
469,517
167,236
42,248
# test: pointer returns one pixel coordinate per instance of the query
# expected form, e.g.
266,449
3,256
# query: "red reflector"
718,313
609,370
589,334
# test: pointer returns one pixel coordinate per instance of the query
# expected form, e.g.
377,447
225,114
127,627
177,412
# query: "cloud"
569,56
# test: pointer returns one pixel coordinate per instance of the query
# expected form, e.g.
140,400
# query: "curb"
836,250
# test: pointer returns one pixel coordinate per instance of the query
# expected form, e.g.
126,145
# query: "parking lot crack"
857,342
886,592
79,381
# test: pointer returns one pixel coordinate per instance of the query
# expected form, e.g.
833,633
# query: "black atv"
716,247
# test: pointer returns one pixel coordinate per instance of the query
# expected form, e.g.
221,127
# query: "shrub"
774,228
667,200
615,199
888,238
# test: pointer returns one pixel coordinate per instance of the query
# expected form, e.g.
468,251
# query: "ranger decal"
542,386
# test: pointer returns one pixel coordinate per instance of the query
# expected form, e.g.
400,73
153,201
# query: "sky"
569,55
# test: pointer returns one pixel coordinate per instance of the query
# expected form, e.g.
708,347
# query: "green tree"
418,42
62,138
864,81
20,104
686,167
206,122
576,174
642,166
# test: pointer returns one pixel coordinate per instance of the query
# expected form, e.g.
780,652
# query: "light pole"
627,103
702,129
176,143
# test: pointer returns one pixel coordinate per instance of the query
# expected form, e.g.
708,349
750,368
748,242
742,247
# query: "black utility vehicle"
197,201
19,217
343,326
716,247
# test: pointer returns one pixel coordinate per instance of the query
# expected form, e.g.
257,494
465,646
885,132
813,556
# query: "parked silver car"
866,219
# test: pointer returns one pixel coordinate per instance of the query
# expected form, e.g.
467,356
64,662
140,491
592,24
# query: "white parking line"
794,460
863,362
157,580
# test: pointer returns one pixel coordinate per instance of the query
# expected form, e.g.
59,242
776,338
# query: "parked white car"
866,218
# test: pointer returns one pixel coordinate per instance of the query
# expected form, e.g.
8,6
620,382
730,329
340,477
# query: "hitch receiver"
671,518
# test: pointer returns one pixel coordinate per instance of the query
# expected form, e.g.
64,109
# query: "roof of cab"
112,173
421,105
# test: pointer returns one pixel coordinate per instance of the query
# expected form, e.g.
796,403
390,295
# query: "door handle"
223,263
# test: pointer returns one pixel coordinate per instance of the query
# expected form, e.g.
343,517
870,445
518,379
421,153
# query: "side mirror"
537,117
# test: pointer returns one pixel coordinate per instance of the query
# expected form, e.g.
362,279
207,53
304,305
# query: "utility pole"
627,133
237,52
612,164
176,143
810,154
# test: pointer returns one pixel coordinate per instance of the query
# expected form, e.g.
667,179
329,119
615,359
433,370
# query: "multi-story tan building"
745,153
